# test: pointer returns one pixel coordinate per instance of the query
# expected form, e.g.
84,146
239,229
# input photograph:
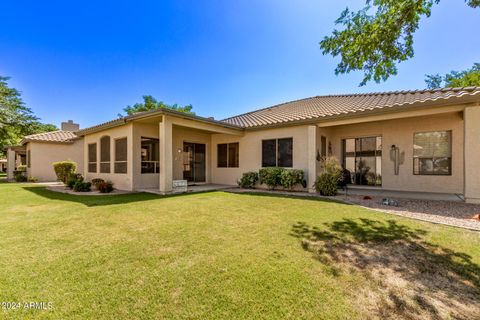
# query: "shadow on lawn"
405,276
96,200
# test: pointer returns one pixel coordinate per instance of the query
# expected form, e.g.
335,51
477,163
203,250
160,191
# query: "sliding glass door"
194,162
363,158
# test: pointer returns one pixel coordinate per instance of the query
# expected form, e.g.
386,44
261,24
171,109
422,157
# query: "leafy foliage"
248,180
96,182
271,176
378,37
291,177
150,103
73,179
465,78
105,187
81,186
327,182
64,169
16,120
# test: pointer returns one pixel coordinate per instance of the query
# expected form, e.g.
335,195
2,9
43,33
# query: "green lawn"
227,256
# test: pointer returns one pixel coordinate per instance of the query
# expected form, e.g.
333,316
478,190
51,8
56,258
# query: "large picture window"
432,153
277,153
228,155
150,155
120,155
105,154
92,158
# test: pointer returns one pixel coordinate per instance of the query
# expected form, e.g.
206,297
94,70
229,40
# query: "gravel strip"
450,213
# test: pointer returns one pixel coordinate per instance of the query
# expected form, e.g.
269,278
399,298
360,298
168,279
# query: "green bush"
81,186
96,182
32,179
73,178
271,176
20,176
248,180
21,168
105,187
327,183
63,169
291,177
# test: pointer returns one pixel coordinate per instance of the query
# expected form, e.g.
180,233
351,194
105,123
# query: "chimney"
70,126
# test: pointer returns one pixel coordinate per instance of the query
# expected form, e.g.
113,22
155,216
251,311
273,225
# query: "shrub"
32,179
73,178
63,169
291,177
21,168
20,176
327,182
81,186
96,182
105,187
271,176
248,180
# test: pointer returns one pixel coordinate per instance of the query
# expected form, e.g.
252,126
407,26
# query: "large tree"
378,37
16,119
465,78
150,103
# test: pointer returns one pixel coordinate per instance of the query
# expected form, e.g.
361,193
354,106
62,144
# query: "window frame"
450,158
109,149
156,163
277,152
227,150
96,157
115,161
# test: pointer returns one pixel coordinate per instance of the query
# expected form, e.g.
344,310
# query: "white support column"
472,154
10,163
166,157
312,157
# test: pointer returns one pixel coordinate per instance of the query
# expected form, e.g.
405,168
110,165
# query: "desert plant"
96,182
327,182
248,180
270,176
81,186
291,177
105,187
21,168
63,169
32,179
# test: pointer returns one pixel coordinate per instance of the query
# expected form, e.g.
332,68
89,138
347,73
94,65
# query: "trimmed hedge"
291,177
63,169
248,180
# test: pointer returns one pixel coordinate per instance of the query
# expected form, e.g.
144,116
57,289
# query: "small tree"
63,169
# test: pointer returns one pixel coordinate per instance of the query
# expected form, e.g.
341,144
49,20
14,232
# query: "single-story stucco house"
423,140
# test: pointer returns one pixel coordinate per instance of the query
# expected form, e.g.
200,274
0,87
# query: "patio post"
472,154
166,158
10,163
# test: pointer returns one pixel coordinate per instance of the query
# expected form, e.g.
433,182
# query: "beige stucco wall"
250,151
122,181
472,154
400,132
44,154
146,180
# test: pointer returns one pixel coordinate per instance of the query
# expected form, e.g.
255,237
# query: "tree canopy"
465,78
378,37
150,103
16,119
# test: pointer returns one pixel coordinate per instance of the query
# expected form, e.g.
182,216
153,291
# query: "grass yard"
227,256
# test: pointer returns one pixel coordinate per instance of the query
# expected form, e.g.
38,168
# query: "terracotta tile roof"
58,136
332,106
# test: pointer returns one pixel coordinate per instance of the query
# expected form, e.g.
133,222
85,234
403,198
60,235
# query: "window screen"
105,154
432,153
285,152
233,155
228,155
222,159
29,158
121,155
92,158
269,153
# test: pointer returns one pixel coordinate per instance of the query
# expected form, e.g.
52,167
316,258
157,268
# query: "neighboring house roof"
332,106
58,136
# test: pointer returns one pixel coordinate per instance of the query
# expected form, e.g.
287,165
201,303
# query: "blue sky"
86,60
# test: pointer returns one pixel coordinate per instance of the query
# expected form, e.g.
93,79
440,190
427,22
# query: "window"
432,153
323,146
92,158
105,154
277,153
29,158
120,155
150,155
228,154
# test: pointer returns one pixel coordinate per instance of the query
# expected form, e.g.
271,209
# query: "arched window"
105,154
